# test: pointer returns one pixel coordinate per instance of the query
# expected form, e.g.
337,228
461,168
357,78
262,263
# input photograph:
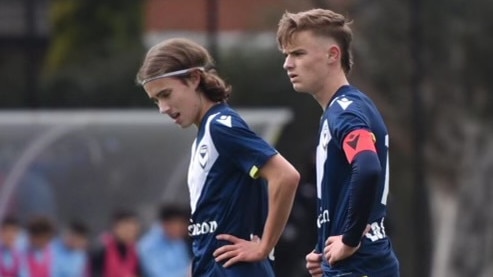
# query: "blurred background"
79,139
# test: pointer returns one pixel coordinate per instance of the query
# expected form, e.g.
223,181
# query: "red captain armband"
358,141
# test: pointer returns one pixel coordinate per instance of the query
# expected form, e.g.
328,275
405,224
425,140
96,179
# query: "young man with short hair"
352,154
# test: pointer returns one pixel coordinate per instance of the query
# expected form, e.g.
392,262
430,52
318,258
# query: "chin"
185,125
298,88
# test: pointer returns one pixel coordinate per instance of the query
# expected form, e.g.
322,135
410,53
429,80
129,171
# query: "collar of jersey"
212,110
339,91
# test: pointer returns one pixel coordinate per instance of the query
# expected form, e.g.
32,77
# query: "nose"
163,107
288,63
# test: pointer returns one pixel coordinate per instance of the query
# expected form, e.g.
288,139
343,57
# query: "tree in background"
456,92
458,87
95,50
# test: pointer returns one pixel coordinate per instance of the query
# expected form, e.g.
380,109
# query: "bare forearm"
281,197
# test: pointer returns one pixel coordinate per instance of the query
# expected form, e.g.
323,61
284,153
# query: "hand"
240,250
314,264
335,250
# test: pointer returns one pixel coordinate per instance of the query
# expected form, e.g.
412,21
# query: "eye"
164,94
297,53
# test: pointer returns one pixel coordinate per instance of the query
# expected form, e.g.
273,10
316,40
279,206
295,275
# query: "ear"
333,54
194,79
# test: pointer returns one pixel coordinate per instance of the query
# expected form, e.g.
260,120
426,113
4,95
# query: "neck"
207,105
328,90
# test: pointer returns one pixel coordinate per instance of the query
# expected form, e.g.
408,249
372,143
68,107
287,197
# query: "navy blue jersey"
226,195
350,110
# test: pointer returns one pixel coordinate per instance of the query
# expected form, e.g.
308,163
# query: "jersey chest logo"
203,155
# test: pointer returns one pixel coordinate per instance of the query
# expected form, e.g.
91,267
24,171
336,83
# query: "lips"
292,76
174,115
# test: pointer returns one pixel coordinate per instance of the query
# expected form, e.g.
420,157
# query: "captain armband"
358,141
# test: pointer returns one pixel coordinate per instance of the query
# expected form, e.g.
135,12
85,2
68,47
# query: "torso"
225,199
349,110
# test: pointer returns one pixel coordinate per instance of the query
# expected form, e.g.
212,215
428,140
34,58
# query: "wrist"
350,240
265,250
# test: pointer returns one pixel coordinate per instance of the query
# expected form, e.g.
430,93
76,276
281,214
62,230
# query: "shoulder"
349,111
351,101
226,119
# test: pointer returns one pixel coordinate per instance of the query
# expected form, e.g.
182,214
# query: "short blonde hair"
320,22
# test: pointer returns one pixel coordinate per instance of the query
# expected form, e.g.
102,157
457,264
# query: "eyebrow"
292,50
160,93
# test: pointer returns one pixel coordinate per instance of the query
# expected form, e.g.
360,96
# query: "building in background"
239,23
13,18
24,32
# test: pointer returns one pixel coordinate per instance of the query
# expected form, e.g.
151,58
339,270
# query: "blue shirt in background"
68,262
161,256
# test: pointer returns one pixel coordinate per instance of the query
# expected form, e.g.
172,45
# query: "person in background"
9,254
164,249
37,257
70,252
118,255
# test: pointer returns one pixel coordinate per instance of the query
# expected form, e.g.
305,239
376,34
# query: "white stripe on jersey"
204,155
323,142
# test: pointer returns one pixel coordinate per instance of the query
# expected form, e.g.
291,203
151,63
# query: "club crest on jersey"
325,135
203,155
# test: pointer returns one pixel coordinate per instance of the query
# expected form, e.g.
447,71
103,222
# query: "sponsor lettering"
202,228
322,218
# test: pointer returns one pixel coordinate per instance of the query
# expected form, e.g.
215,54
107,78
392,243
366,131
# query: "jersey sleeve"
351,129
233,138
358,141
